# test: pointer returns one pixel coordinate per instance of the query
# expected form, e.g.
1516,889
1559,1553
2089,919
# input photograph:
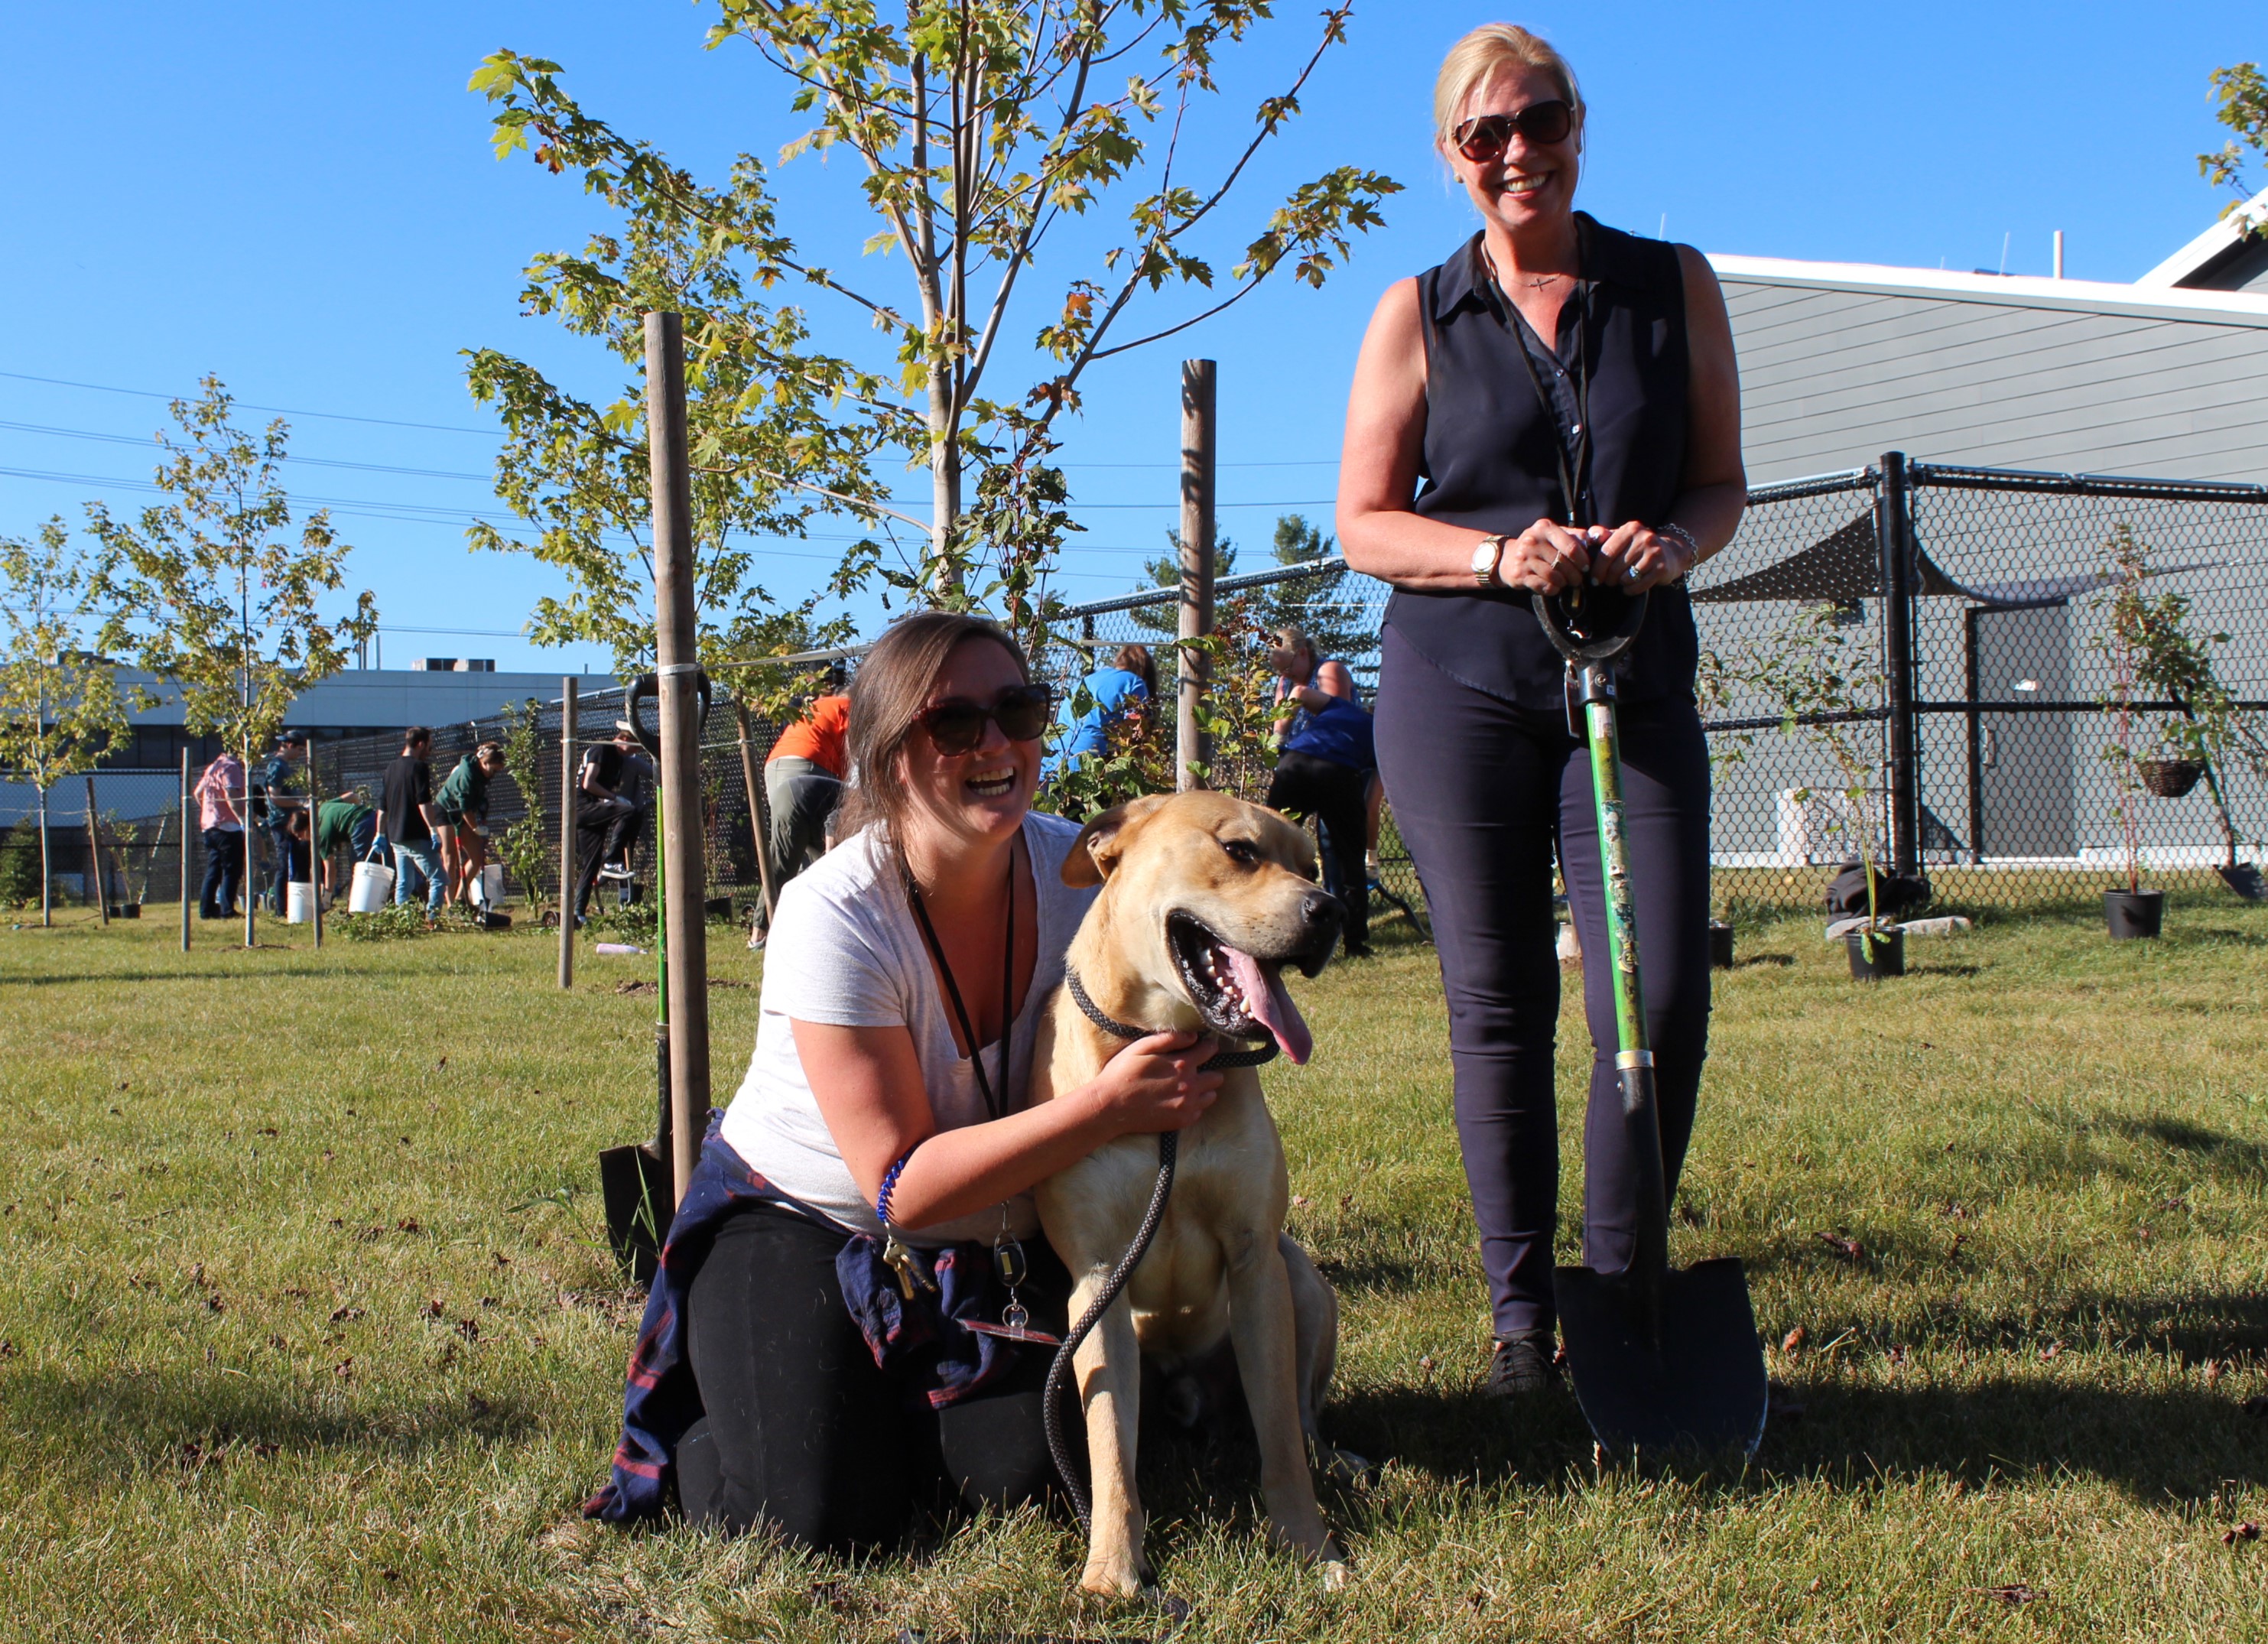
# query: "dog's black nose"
1323,911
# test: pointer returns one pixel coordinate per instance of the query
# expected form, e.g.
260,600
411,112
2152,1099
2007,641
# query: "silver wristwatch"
1485,558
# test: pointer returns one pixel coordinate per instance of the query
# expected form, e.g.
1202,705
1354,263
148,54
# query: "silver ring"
1631,575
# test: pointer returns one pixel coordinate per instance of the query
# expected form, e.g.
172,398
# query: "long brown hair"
887,699
1136,660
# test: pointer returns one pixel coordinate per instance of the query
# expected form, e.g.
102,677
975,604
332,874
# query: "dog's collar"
1088,1008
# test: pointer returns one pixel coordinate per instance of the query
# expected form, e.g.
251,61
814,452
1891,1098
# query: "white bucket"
298,903
373,889
491,889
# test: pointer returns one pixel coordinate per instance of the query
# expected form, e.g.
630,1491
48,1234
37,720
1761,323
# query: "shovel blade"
635,1183
1702,1388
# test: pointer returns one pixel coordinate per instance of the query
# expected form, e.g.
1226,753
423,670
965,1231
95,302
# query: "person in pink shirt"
220,797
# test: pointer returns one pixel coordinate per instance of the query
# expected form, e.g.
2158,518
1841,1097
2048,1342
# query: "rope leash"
1168,1150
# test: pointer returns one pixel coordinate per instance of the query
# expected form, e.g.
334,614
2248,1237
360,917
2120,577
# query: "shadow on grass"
122,1419
2225,1152
2179,1443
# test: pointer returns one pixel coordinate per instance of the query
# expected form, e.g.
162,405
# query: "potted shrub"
2172,723
1826,691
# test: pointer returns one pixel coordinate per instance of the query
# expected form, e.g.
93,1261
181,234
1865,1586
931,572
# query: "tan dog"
1205,900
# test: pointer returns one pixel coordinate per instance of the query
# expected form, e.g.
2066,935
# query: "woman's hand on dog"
1157,1083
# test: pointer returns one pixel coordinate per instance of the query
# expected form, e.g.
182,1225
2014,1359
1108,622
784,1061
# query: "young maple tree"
60,710
978,129
210,593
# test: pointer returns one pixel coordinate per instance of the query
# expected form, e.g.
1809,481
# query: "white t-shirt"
846,949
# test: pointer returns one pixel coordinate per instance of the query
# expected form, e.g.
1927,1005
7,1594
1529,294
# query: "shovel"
1661,1358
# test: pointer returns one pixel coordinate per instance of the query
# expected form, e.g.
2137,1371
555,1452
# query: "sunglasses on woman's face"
957,724
1486,136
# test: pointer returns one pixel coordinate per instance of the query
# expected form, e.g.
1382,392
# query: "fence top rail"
1323,567
1956,477
1814,485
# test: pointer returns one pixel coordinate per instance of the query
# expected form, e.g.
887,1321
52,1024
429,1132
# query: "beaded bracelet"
889,1180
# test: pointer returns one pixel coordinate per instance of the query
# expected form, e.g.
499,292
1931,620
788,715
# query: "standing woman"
1555,402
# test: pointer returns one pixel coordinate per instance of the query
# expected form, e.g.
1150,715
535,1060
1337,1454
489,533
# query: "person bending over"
343,824
1556,403
1324,771
1118,698
881,1144
463,803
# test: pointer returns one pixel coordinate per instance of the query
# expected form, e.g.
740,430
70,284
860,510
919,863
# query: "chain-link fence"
1912,659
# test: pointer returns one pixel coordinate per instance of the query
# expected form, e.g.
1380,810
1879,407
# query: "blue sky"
302,199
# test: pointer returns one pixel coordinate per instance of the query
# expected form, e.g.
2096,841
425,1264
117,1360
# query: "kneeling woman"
807,1360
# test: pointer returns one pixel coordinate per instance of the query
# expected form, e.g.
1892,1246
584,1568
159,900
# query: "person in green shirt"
463,802
342,825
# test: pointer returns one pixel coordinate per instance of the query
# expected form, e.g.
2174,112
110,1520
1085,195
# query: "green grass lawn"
308,1329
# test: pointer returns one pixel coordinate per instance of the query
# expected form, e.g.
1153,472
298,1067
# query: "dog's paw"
1111,1578
1344,1467
1337,1576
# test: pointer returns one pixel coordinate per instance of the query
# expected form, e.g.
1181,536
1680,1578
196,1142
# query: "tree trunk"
945,480
251,859
47,908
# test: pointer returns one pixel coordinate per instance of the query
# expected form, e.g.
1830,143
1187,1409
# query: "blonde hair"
1492,46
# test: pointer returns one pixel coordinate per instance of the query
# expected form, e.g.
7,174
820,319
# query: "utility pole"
1199,449
677,655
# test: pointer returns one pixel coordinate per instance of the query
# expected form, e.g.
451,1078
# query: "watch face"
1485,556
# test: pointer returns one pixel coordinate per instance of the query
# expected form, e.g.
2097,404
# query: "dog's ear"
1095,852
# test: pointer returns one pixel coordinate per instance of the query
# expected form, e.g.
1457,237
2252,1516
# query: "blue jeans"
425,859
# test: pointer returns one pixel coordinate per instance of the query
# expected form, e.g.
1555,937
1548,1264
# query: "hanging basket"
2171,779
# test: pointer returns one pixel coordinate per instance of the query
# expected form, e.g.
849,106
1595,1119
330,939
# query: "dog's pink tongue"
1270,1004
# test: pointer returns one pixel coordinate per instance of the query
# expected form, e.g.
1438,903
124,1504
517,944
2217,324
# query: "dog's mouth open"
1239,995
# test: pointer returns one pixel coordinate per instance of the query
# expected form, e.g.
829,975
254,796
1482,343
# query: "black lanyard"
1572,465
993,1103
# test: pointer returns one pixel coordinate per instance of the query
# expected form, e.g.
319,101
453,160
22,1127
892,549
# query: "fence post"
1199,444
685,894
1894,533
1971,676
567,863
187,829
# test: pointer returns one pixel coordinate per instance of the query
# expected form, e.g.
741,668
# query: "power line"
278,410
493,433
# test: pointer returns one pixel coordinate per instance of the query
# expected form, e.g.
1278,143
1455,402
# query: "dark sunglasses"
956,726
1487,135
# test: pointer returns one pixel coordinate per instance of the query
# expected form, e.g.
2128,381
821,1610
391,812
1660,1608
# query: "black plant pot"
1720,945
2132,914
1884,956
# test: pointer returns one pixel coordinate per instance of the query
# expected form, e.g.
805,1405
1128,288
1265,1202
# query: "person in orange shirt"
803,776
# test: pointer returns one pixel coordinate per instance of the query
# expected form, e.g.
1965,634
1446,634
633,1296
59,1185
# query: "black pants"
803,1432
1480,789
601,831
224,872
1336,793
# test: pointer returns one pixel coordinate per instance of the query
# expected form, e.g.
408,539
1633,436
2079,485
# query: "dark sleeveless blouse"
1489,462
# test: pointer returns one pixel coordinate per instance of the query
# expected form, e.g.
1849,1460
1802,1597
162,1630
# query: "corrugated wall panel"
1832,378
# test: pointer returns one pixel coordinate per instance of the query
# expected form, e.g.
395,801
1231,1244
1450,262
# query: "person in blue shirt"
1128,686
1324,771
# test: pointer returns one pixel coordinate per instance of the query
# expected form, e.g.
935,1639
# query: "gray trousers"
802,796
